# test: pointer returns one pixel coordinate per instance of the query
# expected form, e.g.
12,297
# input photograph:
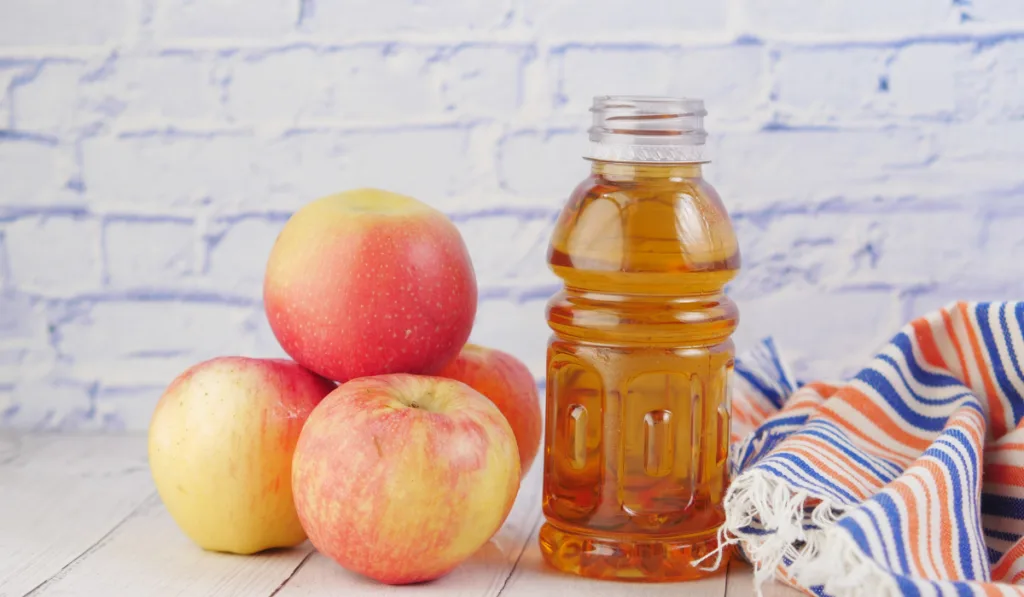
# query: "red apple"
402,477
220,450
510,386
368,282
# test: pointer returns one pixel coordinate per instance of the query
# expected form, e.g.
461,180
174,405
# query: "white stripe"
976,376
943,341
969,509
1004,524
1006,310
853,417
855,473
881,543
1003,354
840,438
928,522
1016,335
796,477
931,392
960,328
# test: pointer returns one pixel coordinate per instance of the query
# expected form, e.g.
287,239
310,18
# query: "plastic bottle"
637,427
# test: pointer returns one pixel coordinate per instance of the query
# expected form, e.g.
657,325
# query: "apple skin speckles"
369,283
403,477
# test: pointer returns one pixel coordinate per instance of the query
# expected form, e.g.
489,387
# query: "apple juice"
638,366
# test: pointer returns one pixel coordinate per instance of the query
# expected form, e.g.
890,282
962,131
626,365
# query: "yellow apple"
220,450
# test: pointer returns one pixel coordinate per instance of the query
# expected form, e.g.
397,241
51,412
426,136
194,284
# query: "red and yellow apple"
510,386
220,450
402,477
369,282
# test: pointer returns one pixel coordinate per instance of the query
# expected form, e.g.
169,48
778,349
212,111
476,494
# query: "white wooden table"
79,516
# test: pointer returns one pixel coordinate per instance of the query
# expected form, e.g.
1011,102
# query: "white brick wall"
869,152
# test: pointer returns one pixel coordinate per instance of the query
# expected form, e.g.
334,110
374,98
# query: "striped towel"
906,480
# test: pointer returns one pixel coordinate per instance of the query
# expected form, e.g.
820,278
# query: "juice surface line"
639,363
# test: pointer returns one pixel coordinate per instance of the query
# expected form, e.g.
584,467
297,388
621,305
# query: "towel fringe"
756,496
843,570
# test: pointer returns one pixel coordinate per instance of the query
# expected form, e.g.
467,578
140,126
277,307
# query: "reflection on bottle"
658,448
578,435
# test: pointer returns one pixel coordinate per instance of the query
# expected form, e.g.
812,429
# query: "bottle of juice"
638,369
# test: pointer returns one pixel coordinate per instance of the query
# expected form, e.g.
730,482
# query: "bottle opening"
631,128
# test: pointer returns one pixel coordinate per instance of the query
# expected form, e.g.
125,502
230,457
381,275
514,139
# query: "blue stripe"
795,421
1009,392
907,587
892,515
993,556
971,469
1016,403
790,475
974,467
976,406
763,369
783,467
1002,505
879,534
1019,313
773,354
956,473
756,446
1002,535
928,378
859,536
850,450
881,385
930,401
842,437
765,391
813,473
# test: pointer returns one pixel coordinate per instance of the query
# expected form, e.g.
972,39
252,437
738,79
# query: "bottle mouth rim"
650,105
637,128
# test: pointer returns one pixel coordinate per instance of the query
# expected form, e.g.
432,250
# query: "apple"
402,477
369,282
220,450
510,386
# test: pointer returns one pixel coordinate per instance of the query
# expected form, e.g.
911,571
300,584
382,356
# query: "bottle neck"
625,172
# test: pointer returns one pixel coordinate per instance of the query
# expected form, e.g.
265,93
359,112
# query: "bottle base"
663,560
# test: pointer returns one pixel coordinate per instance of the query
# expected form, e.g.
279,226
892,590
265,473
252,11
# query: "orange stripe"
951,332
878,450
870,481
835,475
757,409
968,421
945,524
926,342
1005,474
919,475
995,403
1008,560
913,526
823,389
740,416
1005,447
874,413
